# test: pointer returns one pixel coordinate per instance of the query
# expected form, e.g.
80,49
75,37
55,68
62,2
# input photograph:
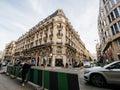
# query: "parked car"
4,63
86,64
100,76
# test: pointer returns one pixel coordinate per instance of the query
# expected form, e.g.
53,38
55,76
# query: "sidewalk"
6,83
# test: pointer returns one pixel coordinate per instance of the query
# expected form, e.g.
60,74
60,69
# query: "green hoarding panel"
13,70
62,81
8,69
28,76
46,79
35,78
17,72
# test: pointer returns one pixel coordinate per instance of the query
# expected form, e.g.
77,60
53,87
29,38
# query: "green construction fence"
51,80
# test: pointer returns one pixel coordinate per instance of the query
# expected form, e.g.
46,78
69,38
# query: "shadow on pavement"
108,87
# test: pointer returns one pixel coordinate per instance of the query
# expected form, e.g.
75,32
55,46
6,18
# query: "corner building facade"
53,39
109,29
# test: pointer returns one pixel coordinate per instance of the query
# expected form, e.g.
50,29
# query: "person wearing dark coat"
26,67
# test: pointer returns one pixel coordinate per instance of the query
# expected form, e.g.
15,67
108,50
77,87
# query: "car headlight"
87,71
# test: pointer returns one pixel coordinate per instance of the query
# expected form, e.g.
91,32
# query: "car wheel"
97,80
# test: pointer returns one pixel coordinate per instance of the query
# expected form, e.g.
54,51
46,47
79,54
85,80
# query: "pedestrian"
26,67
45,61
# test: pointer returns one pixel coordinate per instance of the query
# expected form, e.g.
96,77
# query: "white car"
86,64
100,76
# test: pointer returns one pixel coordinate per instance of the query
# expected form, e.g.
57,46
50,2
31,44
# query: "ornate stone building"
54,39
9,52
109,29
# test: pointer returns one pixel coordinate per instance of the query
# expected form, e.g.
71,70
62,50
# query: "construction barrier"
51,80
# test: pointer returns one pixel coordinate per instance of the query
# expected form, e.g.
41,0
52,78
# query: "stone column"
64,60
53,61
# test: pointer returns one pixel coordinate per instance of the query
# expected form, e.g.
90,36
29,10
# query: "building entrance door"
58,62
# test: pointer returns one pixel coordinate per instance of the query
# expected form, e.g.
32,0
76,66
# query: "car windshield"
110,64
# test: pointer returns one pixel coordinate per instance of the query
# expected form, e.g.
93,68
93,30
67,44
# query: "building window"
116,28
117,1
106,9
112,29
105,35
119,9
40,41
59,50
59,41
104,23
107,21
118,41
36,42
59,33
59,25
59,19
116,13
109,6
112,16
119,24
51,40
109,18
112,2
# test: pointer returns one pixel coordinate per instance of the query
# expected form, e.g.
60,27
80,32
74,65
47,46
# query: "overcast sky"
18,16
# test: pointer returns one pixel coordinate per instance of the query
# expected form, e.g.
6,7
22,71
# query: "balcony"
69,46
60,43
60,27
59,51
